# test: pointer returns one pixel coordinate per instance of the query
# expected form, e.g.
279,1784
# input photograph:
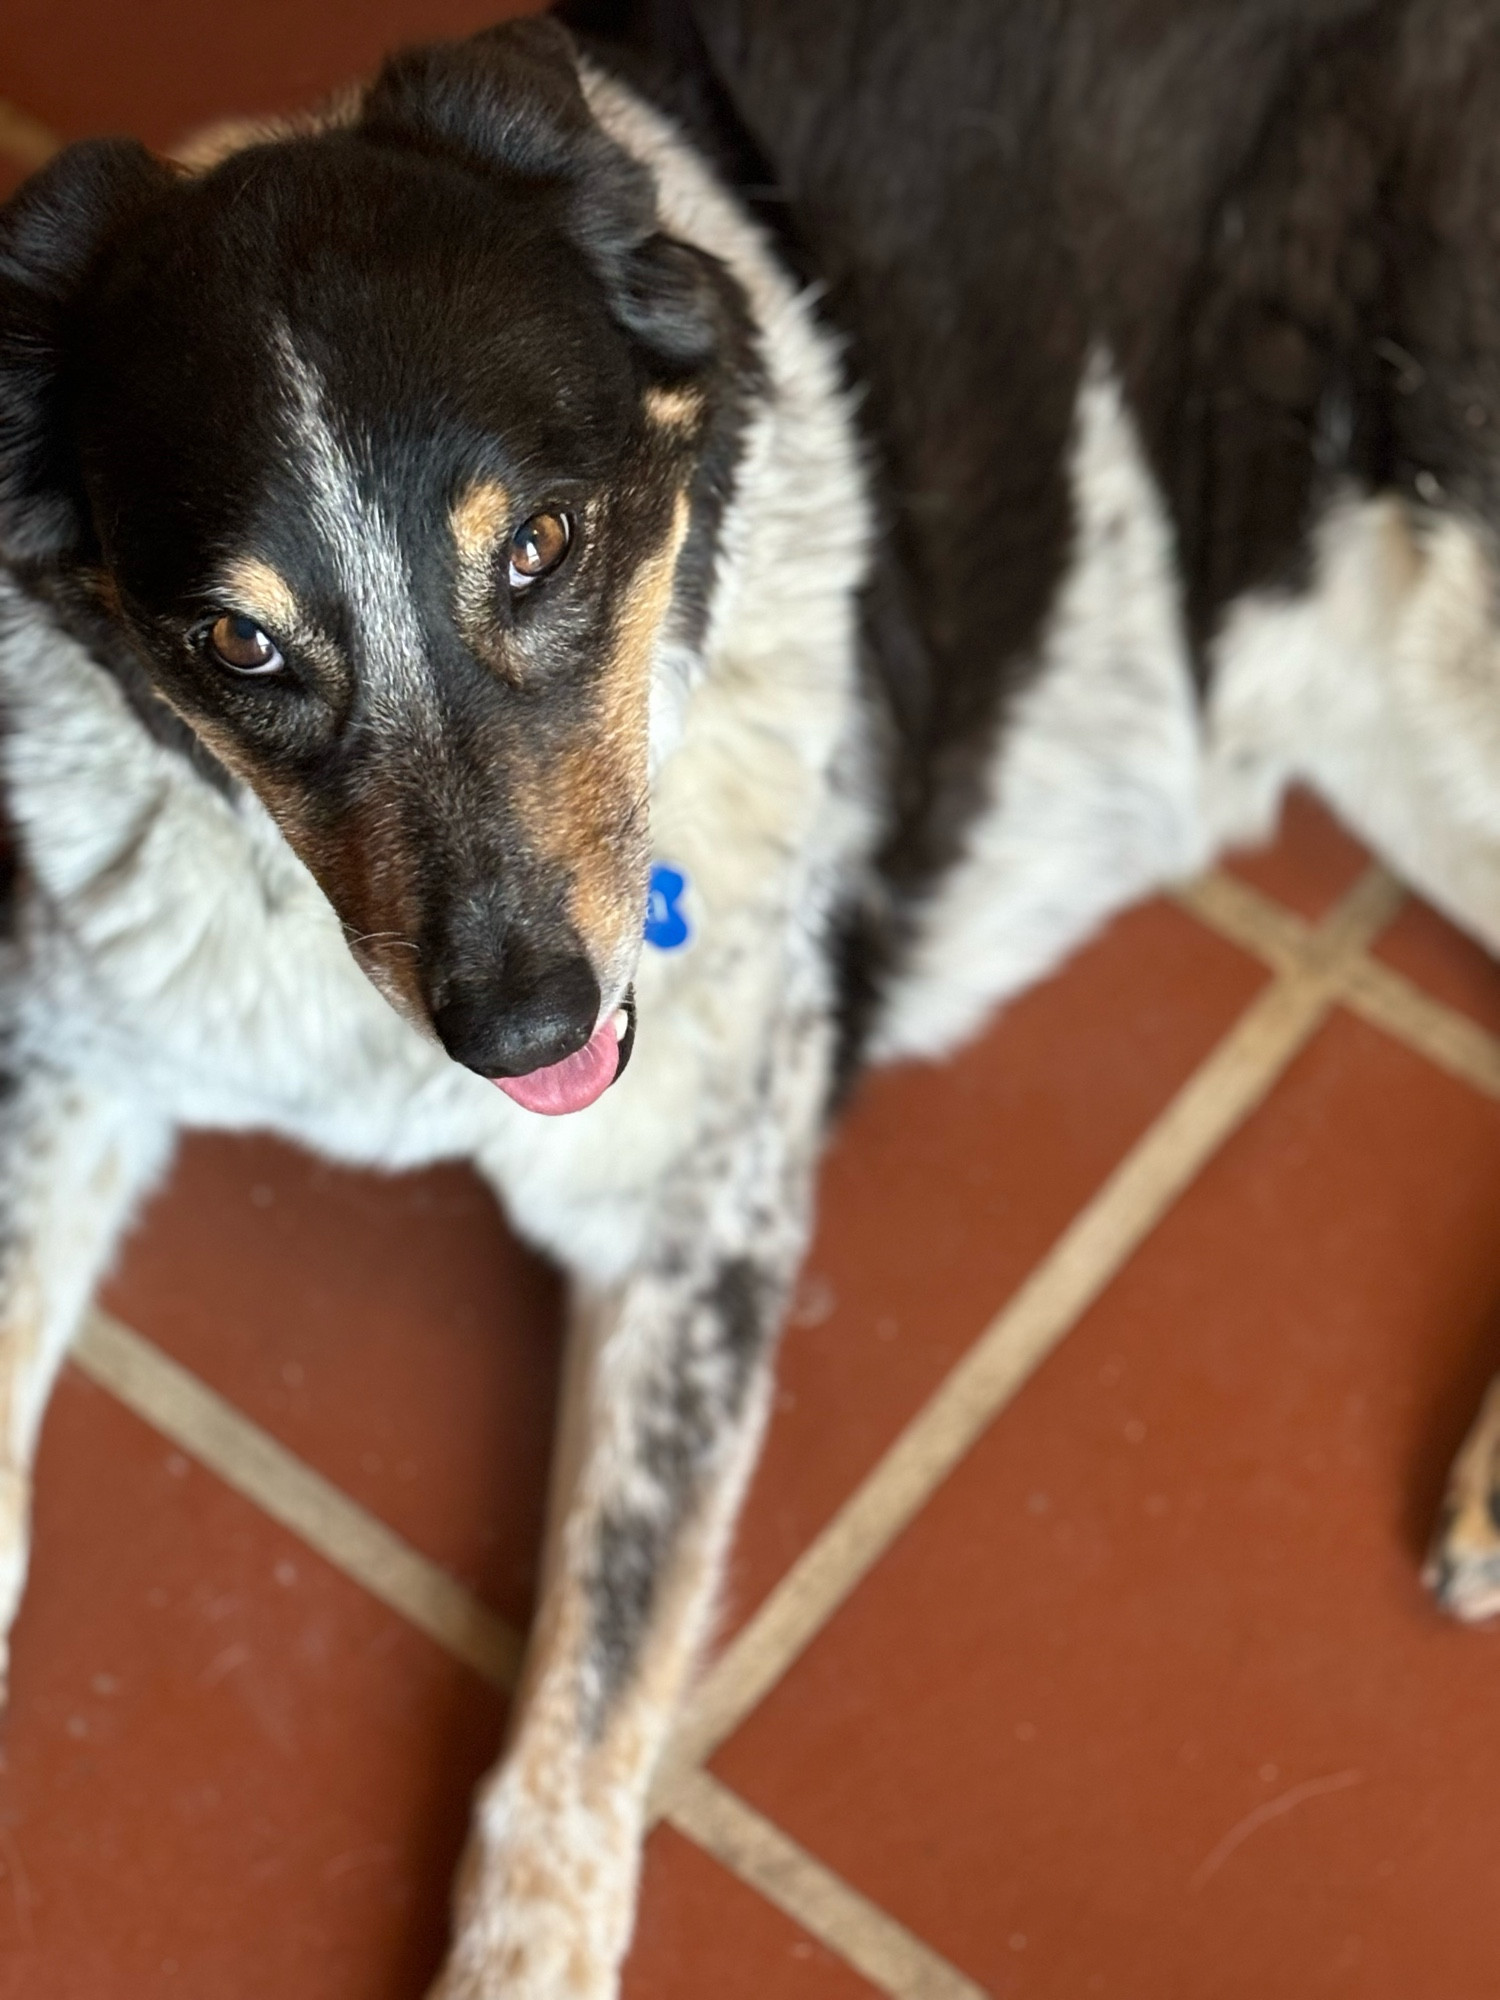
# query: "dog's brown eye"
538,546
239,643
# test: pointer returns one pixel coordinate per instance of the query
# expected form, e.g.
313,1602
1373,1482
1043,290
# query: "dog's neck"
787,548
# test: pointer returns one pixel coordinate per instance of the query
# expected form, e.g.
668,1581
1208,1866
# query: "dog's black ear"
51,231
510,99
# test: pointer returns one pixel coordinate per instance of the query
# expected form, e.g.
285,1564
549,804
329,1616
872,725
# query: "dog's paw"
526,1954
539,1917
1463,1568
506,1978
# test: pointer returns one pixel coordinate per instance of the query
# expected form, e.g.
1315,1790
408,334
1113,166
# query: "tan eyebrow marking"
478,519
677,409
263,594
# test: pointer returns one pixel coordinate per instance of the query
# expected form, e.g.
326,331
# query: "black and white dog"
446,536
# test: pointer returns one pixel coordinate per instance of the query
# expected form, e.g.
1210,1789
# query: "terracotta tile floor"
1074,1643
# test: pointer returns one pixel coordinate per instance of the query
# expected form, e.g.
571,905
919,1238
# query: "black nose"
519,1018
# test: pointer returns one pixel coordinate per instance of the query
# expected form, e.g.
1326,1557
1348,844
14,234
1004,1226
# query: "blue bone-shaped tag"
666,926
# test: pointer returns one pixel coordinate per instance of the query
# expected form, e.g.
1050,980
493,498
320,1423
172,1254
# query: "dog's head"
381,445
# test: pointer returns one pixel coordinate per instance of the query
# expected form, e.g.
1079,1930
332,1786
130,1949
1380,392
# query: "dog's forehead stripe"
366,554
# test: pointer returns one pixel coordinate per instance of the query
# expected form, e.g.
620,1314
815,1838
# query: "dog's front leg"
666,1399
74,1162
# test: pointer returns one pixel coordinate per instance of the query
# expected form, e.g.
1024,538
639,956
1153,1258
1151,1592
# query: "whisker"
382,938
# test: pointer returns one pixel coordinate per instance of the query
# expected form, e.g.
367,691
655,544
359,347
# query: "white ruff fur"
1378,688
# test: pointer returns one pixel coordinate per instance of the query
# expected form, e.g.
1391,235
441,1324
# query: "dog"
651,557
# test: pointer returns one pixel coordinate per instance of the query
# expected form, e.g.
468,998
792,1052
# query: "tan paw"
541,1916
534,1956
1463,1568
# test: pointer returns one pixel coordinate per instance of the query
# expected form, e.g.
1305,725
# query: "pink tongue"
573,1083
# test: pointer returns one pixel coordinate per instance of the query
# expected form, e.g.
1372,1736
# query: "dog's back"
1142,301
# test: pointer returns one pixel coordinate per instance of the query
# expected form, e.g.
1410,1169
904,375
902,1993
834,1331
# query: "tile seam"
1381,996
182,1408
1450,1041
1245,917
761,1854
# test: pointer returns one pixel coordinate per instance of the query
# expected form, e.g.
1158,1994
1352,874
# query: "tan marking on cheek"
587,811
480,519
675,409
229,750
365,870
263,594
391,917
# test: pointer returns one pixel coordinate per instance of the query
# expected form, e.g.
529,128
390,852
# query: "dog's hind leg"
668,1389
73,1165
1463,1568
1378,686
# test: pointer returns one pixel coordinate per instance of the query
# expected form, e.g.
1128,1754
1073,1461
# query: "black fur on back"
1275,216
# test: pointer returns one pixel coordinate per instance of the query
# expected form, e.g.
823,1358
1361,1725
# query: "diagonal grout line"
1449,1040
1247,918
174,1402
1221,1093
791,1878
24,139
1377,993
